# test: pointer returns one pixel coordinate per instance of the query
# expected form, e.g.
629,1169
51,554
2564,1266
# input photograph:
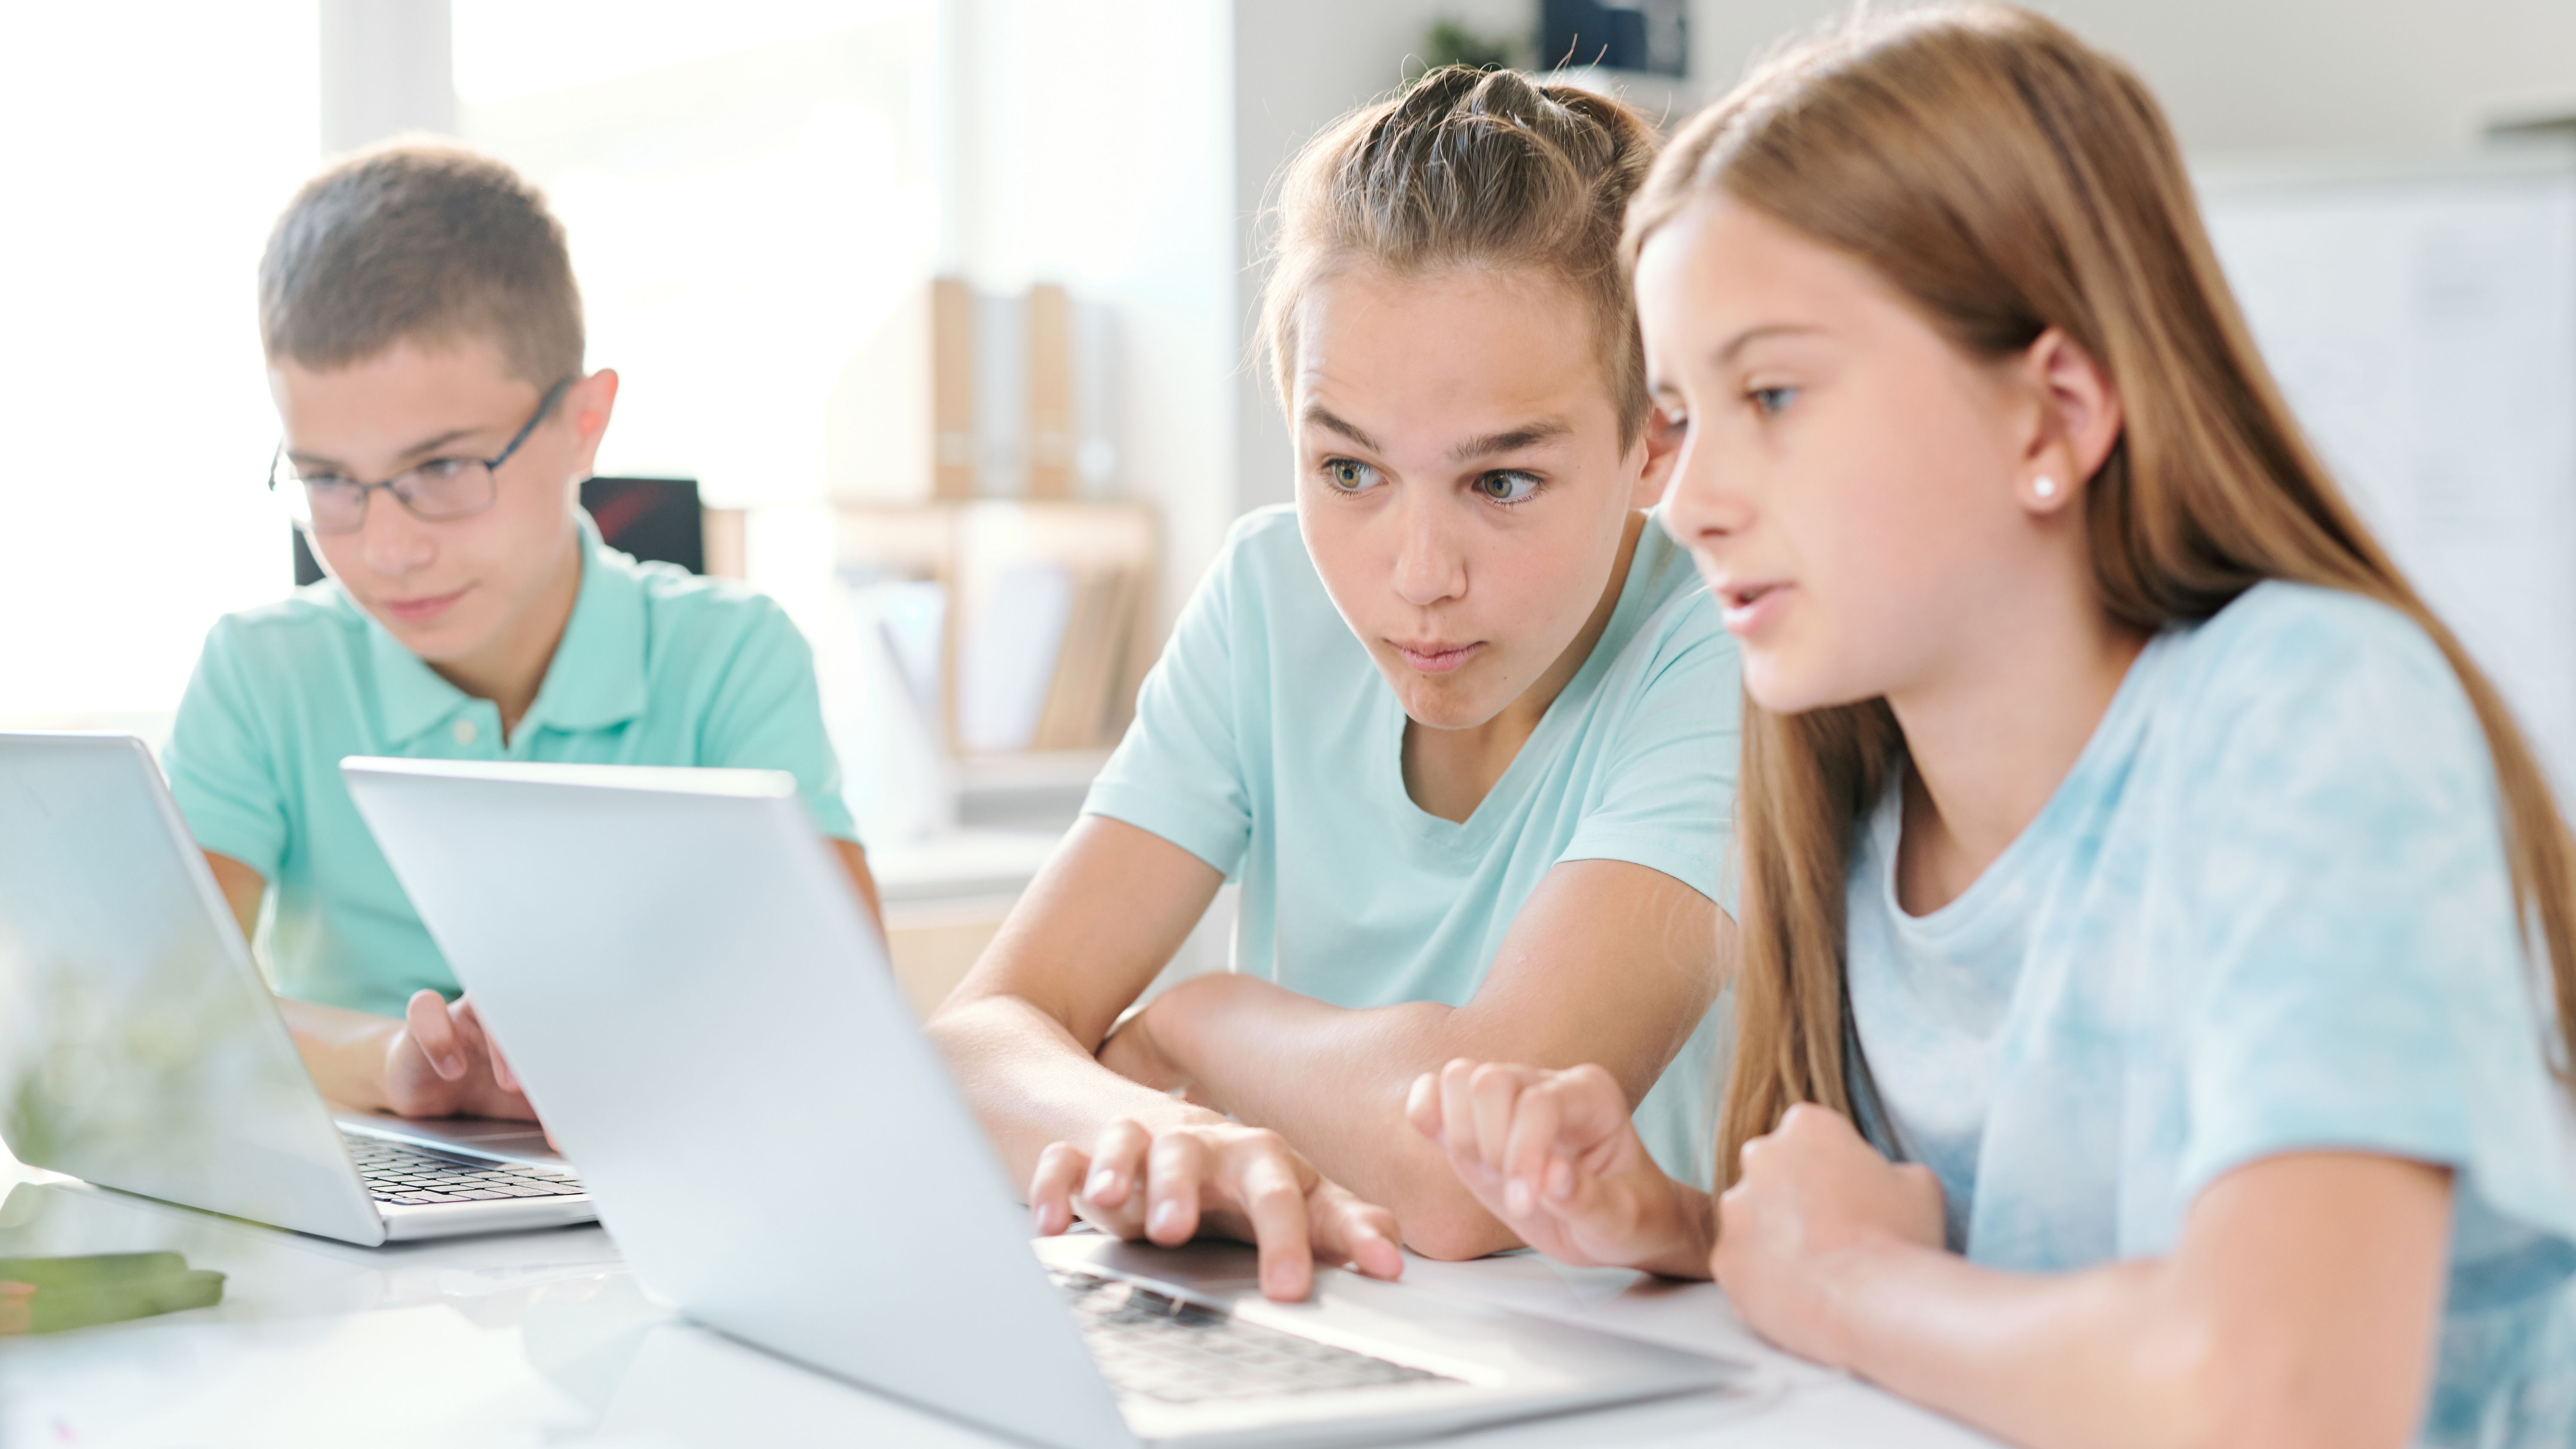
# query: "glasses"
438,491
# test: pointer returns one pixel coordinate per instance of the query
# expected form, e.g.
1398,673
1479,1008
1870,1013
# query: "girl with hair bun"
1457,722
2159,950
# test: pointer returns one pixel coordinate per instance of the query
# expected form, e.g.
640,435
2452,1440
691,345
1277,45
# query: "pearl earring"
2044,486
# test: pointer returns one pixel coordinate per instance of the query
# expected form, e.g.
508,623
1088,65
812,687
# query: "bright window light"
749,193
154,146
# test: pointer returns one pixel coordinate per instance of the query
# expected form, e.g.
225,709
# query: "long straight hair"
2006,179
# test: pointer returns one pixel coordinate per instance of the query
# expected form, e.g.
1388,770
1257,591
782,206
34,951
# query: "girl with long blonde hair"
2158,944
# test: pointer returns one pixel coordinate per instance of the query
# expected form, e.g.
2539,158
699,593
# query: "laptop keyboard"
398,1172
1165,1348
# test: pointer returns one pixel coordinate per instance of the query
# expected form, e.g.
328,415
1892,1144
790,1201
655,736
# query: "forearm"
1333,1081
1031,1083
344,1050
2117,1356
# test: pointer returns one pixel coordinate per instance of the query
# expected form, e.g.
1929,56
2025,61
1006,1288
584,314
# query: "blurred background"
932,317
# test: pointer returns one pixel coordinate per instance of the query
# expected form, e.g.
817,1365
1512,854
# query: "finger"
1117,1166
1175,1166
1535,1142
1495,1088
1596,1113
1268,1186
1060,1166
469,1024
1458,1113
1422,1106
425,1016
1751,1157
1361,1234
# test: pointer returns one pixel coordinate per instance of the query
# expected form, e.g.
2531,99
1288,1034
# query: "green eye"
1349,475
1508,486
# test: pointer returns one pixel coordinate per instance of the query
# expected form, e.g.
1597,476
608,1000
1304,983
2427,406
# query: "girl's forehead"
1721,281
1466,351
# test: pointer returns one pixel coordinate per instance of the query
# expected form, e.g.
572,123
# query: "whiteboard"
2422,321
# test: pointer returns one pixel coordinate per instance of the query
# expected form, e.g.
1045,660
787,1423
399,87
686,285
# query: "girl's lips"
1436,661
1748,611
422,610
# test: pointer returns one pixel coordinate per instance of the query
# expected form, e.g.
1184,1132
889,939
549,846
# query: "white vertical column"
388,66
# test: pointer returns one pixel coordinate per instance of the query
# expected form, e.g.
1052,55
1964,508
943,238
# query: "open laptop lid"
684,981
139,1048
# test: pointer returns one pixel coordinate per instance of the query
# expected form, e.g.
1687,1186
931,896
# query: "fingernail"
1516,1197
1164,1217
452,1066
1100,1183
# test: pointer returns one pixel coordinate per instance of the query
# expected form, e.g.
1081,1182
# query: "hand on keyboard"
1222,1178
444,1064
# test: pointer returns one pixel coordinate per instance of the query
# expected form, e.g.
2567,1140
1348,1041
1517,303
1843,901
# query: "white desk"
544,1339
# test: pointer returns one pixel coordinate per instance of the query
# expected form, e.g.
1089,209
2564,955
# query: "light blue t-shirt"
656,667
1267,744
2267,911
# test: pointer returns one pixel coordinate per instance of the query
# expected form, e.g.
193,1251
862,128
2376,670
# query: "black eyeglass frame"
491,466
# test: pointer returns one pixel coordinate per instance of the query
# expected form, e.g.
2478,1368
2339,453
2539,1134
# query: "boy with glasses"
424,340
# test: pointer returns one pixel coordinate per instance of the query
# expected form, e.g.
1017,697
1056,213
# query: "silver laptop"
140,1050
707,1020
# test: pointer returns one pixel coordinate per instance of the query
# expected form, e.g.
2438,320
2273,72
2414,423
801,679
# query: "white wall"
1095,148
1295,67
2272,75
385,69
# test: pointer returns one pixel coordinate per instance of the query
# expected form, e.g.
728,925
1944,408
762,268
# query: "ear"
2078,422
588,403
1663,444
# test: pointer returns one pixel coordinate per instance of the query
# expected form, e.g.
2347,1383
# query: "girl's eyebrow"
1317,415
1512,440
1751,335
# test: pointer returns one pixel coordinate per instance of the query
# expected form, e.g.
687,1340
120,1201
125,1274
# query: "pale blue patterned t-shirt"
1268,745
2267,911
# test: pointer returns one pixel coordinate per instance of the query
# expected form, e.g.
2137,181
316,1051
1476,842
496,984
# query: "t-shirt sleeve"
2360,983
220,760
766,713
1667,794
1179,772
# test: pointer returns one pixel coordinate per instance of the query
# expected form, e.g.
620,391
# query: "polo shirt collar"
596,679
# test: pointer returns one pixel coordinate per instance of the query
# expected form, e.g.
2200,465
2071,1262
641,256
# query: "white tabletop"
544,1339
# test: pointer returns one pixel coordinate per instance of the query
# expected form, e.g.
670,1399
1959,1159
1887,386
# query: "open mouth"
1746,607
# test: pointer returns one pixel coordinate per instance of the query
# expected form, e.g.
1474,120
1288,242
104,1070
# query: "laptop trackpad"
481,1136
1204,1266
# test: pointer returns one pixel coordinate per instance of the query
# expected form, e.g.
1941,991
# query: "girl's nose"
1429,567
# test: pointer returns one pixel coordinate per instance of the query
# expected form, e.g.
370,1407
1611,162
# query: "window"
154,150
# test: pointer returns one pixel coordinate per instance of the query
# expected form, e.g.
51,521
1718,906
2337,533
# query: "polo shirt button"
464,732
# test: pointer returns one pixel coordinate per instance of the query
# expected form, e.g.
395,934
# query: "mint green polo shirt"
656,667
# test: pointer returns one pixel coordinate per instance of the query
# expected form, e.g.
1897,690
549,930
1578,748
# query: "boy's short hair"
426,241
